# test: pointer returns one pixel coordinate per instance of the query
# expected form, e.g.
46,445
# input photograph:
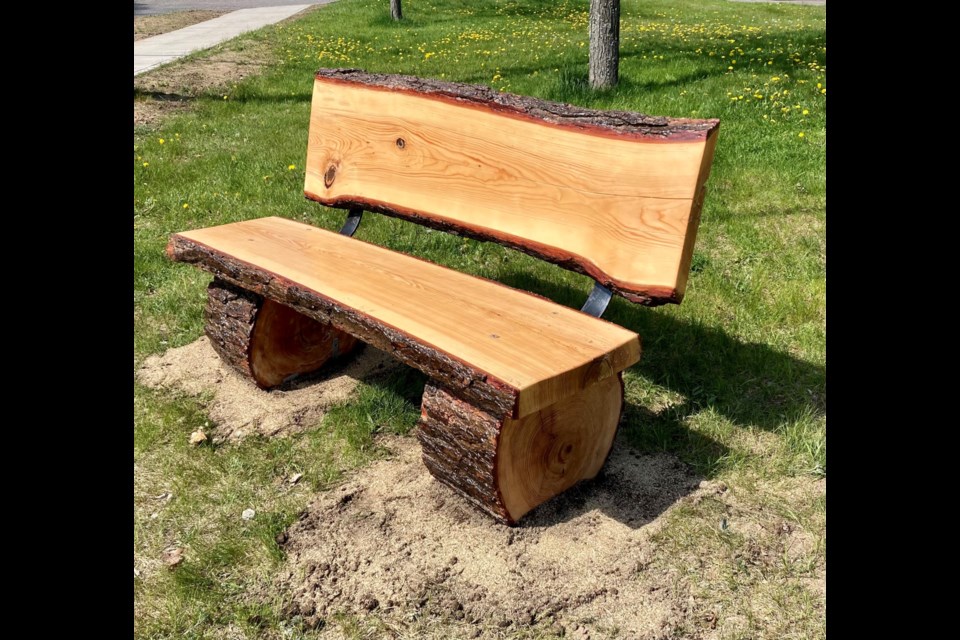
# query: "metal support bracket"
352,222
597,301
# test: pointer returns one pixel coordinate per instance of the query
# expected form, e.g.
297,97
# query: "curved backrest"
612,194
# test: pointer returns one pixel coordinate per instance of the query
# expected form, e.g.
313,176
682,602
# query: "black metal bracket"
352,222
597,301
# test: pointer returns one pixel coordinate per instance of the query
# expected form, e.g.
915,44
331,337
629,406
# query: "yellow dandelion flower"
146,164
162,140
806,112
186,206
291,167
800,135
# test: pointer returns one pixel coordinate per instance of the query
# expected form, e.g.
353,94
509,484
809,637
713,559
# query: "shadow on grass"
162,96
632,488
751,384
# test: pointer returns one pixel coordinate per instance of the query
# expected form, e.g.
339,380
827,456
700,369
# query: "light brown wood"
265,341
285,343
619,207
541,349
549,451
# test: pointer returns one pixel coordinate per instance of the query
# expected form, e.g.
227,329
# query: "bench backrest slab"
615,195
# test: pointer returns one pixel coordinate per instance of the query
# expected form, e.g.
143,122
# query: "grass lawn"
732,382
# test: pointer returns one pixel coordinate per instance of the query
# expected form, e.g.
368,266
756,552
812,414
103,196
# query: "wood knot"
330,175
401,143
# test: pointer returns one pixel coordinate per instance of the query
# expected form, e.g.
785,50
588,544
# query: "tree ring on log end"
547,452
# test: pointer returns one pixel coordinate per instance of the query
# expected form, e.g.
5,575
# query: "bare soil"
238,408
149,26
395,540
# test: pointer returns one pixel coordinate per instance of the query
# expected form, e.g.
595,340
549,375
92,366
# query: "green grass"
732,381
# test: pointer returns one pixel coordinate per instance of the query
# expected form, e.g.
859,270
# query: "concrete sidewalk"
152,52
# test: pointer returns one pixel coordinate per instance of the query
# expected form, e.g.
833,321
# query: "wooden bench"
525,395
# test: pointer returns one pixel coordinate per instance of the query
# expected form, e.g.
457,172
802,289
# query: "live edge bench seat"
509,353
525,395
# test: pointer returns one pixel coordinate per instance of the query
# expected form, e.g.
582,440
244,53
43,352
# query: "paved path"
152,52
153,7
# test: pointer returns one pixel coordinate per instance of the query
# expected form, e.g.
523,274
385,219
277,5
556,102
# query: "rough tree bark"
396,11
604,43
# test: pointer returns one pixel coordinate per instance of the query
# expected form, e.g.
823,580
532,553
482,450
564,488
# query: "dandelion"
162,140
186,206
806,112
146,164
291,167
800,135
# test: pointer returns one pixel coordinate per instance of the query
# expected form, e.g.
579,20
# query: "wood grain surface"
611,194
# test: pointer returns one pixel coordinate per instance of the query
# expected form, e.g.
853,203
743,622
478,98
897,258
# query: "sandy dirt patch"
393,540
238,408
149,26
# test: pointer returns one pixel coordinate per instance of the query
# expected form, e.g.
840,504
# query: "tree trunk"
396,12
604,43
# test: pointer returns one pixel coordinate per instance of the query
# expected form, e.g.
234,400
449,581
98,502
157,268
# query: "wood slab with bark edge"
513,352
612,194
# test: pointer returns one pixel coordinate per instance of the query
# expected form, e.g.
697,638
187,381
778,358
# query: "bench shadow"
657,459
632,488
751,384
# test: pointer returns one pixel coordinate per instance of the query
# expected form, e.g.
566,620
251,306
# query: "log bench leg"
266,341
508,466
